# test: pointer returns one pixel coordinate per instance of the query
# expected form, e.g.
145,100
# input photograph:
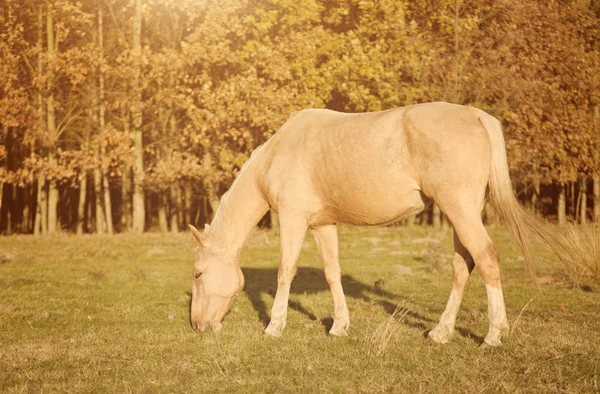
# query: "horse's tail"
500,192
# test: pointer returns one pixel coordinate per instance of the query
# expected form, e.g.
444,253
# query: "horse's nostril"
195,326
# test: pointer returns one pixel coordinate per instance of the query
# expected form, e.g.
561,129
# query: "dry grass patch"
581,264
376,343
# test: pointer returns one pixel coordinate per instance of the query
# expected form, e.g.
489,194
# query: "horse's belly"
370,206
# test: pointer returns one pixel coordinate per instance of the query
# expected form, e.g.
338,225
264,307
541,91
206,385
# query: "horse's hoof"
438,336
486,345
338,333
273,332
339,328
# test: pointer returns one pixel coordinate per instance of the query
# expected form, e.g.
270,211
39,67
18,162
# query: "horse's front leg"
292,232
327,242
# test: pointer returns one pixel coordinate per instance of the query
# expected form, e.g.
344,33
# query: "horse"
324,167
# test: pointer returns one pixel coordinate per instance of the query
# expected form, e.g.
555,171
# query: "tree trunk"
573,206
562,206
535,197
41,213
38,227
51,124
97,173
162,212
445,221
175,197
126,208
597,198
5,130
274,221
26,212
101,126
81,203
187,204
583,201
139,212
1,198
100,224
596,177
52,202
213,198
9,212
436,219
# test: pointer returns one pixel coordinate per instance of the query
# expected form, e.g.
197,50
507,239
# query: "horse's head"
217,278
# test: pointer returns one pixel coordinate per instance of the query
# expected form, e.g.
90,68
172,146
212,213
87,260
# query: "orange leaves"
222,76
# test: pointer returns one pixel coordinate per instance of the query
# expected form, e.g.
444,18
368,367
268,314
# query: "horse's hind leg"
473,235
462,265
327,242
292,230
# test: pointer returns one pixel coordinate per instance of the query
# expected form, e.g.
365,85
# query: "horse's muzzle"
207,326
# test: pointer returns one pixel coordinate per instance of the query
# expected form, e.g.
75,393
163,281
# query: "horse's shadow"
260,281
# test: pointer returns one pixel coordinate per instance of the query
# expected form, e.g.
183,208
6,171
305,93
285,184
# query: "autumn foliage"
133,114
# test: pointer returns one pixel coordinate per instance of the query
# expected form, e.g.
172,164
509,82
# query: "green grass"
111,314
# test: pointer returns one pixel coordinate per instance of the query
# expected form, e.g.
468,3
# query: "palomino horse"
324,167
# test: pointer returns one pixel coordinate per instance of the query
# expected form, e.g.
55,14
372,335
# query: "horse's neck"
240,210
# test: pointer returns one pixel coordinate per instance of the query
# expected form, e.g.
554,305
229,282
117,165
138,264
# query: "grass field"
111,314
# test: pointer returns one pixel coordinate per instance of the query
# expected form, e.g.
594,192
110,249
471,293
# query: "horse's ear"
198,236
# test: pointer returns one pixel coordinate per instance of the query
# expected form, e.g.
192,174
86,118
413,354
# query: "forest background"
135,115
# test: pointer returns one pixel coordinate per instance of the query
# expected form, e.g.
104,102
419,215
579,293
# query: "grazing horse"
325,167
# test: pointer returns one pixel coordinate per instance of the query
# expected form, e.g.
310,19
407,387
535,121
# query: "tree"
139,210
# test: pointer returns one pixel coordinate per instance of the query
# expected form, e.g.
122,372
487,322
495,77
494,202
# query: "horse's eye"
197,274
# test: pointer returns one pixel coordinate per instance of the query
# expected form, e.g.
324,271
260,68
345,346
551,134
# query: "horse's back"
366,168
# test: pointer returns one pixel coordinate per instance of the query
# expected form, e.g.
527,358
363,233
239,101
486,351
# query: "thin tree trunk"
126,208
162,212
175,197
573,206
596,198
38,228
100,223
9,213
81,203
89,212
5,130
187,204
1,198
107,204
583,201
97,173
101,126
51,124
26,213
597,175
274,221
562,206
41,214
535,196
445,221
139,212
213,199
436,219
